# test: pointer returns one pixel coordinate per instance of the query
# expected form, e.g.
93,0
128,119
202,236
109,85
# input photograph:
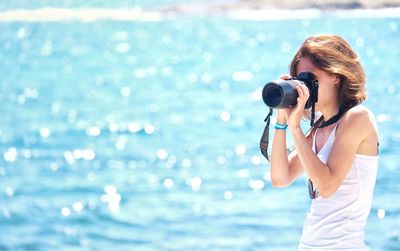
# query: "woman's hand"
293,115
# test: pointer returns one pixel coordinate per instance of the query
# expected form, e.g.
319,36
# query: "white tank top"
337,222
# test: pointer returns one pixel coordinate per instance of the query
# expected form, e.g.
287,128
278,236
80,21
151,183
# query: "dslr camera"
282,93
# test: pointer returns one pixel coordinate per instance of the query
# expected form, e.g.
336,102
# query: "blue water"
144,135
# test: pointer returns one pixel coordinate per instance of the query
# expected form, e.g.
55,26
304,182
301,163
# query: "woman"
339,156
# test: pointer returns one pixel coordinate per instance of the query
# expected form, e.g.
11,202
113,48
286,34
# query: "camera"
282,93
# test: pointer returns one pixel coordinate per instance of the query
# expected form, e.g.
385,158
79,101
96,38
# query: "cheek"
322,94
325,95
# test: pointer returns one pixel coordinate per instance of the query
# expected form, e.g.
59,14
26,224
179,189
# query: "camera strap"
312,115
334,119
265,136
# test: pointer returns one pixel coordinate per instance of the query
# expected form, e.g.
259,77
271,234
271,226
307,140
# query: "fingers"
296,113
303,93
285,77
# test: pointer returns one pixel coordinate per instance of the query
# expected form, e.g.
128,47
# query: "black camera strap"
334,119
312,115
265,136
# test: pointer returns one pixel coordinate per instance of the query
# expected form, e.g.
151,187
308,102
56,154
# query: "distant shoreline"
268,5
319,4
139,14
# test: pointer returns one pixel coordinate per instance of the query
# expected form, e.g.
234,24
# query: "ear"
338,79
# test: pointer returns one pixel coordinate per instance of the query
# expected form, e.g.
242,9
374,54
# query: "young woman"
339,156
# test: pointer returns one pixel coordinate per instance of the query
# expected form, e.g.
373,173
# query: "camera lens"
280,93
272,95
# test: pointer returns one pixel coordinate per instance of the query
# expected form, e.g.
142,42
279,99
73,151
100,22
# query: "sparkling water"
143,135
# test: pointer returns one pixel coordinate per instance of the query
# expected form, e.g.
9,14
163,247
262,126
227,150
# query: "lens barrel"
280,93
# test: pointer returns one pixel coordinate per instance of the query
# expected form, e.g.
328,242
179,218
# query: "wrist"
281,119
279,126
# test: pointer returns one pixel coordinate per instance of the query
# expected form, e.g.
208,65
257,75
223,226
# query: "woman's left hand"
294,115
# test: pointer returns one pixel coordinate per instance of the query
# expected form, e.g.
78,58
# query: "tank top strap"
334,130
329,141
314,141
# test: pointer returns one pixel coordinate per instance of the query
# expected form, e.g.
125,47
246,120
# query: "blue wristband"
280,126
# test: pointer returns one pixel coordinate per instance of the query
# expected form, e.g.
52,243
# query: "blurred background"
134,125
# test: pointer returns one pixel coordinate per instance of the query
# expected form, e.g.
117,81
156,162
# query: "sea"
134,125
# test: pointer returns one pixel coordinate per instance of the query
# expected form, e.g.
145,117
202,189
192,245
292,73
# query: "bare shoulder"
358,129
360,119
360,110
361,114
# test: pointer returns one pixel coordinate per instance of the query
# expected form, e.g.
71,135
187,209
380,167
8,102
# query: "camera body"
282,93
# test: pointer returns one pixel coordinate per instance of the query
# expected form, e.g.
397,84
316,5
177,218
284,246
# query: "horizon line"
49,14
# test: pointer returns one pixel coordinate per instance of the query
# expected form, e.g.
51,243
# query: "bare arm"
356,132
284,169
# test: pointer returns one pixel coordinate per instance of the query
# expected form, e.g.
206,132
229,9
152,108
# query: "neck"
330,111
